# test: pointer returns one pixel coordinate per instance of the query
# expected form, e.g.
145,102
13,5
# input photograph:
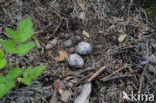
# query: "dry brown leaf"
86,34
116,67
63,56
81,4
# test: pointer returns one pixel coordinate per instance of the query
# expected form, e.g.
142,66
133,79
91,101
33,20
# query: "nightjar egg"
75,60
84,48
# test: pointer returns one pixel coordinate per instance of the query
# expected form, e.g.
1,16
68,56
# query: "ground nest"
121,32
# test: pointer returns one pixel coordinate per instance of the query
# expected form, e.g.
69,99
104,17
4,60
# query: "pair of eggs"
75,60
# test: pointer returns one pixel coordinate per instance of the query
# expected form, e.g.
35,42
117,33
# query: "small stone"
82,15
84,48
72,49
130,88
52,43
68,43
65,96
78,38
67,35
75,60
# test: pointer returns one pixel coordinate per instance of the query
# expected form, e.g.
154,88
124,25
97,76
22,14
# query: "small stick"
97,73
117,71
53,97
117,77
82,79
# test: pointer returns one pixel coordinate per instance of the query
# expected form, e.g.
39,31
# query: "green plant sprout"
8,82
18,44
2,60
31,73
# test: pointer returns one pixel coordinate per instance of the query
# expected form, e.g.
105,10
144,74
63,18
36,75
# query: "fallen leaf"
116,67
84,95
81,4
122,37
86,34
63,56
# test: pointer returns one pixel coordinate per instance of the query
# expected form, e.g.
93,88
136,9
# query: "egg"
84,48
75,60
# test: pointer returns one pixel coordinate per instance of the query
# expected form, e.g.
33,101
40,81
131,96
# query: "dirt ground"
123,36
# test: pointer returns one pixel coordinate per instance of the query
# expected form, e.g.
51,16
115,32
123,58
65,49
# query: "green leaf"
25,29
12,34
26,81
2,79
14,73
1,54
8,82
36,71
31,73
21,49
5,85
24,48
2,63
27,71
9,46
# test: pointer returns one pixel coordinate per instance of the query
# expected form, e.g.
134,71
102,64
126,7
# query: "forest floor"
123,37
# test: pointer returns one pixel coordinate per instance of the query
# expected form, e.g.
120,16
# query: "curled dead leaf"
86,34
116,67
63,56
122,37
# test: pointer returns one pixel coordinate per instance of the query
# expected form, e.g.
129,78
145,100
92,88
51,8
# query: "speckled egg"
84,48
75,60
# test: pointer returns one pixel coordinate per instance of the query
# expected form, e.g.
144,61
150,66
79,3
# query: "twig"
57,27
53,97
141,80
117,77
99,94
132,72
117,71
7,3
82,79
96,74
